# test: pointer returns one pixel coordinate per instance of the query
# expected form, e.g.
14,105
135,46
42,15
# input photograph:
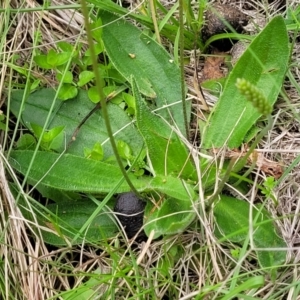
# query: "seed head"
254,95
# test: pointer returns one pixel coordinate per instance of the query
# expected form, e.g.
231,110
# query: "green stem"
225,178
181,49
153,16
235,166
102,96
241,163
41,8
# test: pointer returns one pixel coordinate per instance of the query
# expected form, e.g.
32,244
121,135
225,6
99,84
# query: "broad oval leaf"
232,218
264,64
85,77
73,173
171,217
67,91
134,53
167,153
69,219
57,59
175,210
70,114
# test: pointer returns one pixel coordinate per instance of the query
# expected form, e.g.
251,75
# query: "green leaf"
96,153
130,101
124,150
113,74
232,218
65,77
174,212
85,77
56,195
73,173
56,59
93,94
3,126
67,91
251,283
35,85
65,47
48,136
41,61
167,153
26,142
134,53
70,114
97,30
264,64
61,222
98,49
86,290
51,139
173,187
169,30
69,219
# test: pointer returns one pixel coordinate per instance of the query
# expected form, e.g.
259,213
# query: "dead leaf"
268,166
212,68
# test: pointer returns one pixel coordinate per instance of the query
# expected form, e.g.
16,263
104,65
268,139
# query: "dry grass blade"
24,274
55,25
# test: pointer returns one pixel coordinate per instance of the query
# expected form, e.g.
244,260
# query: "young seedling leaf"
263,64
85,77
56,59
65,77
232,218
167,153
67,91
41,61
26,142
134,53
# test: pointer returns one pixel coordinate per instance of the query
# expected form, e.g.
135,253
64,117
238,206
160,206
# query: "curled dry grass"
32,270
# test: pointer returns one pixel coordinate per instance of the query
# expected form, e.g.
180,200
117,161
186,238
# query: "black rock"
130,211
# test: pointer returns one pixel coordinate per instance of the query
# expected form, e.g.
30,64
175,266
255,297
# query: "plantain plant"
62,160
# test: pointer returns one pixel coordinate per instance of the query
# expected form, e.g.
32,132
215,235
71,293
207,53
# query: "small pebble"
130,211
